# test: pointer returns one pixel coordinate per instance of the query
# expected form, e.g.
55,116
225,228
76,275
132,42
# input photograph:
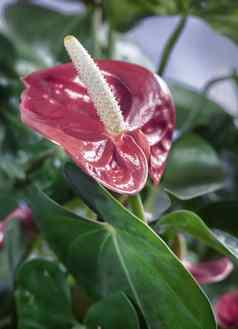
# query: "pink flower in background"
24,214
116,138
226,309
210,271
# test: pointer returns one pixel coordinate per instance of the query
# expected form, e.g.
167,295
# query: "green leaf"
193,109
220,14
121,254
188,222
11,255
193,168
16,246
43,297
42,43
115,312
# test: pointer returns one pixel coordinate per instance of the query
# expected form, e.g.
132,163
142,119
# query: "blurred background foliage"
201,174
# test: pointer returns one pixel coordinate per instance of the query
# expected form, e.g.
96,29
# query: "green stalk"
199,108
111,42
137,206
170,44
213,82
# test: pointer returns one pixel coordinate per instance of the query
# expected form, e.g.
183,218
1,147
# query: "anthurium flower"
114,119
210,271
226,310
22,213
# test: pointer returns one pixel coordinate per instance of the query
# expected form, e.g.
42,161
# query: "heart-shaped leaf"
115,312
43,297
193,168
122,254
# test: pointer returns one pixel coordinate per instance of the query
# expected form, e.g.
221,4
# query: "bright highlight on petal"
114,119
98,89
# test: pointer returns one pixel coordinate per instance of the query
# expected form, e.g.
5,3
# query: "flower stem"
213,82
170,44
199,107
137,206
96,24
111,42
179,246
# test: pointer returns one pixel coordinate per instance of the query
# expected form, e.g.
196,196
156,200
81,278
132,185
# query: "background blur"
200,54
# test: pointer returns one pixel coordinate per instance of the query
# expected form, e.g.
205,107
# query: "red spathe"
56,104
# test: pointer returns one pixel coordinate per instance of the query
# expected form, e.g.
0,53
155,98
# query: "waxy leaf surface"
43,297
122,254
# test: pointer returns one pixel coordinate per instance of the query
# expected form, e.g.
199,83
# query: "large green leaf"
115,312
38,32
193,168
43,297
121,254
222,15
188,222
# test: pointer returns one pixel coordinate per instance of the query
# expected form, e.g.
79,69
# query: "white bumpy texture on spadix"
98,89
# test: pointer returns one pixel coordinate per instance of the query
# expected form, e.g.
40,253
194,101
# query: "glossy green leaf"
43,297
121,254
38,32
193,168
115,312
220,14
188,222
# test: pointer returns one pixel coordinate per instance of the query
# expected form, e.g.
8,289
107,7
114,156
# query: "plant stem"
137,206
170,44
111,42
179,246
213,82
199,107
96,24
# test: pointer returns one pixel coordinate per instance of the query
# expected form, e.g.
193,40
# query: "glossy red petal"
211,271
56,104
150,108
226,310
